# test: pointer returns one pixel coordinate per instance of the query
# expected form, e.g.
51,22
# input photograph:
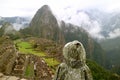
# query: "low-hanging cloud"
67,10
115,33
83,20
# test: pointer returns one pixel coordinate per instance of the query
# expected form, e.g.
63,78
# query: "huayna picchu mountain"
45,25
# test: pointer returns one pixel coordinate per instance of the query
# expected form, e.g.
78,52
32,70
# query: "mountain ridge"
97,18
7,29
17,22
44,23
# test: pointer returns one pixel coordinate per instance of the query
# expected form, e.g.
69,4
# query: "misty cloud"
68,10
115,33
9,29
83,20
17,26
0,26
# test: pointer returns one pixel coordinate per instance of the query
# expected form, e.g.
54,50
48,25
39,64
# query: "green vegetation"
29,71
112,48
11,32
26,48
99,73
51,61
110,44
14,36
24,45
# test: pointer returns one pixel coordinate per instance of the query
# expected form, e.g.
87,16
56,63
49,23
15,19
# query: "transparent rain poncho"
74,67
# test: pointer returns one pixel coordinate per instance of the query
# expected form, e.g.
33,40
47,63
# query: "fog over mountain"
98,23
17,22
38,26
99,17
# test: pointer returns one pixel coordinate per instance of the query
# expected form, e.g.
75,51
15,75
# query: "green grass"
51,61
26,48
24,45
29,71
41,54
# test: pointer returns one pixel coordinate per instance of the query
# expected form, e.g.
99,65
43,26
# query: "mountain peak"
44,9
8,28
44,24
7,25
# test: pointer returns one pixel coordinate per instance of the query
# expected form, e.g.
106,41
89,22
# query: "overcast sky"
62,9
29,7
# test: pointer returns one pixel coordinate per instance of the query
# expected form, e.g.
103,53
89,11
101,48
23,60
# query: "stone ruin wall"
7,57
14,63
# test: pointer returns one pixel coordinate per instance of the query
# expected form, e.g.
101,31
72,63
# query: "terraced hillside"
22,60
37,59
49,53
7,55
45,65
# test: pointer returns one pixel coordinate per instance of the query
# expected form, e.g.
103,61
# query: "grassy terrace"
26,48
29,71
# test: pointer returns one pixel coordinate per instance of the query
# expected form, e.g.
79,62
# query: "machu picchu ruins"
21,66
8,56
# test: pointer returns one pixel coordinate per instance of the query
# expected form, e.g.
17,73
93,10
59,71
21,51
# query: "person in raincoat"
74,67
